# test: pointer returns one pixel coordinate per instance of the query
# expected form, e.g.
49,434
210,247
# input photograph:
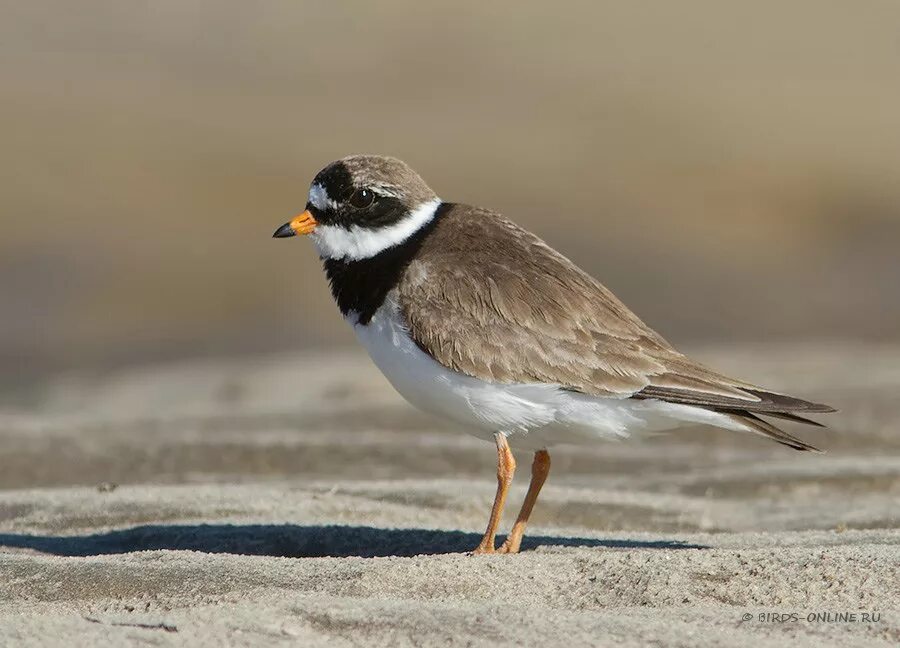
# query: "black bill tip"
284,231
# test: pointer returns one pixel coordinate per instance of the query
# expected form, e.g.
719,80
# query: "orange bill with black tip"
302,224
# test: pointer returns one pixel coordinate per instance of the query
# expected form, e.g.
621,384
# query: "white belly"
532,415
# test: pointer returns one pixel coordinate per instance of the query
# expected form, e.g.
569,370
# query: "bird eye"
362,198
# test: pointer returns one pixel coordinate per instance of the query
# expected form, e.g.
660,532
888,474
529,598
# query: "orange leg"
506,468
540,468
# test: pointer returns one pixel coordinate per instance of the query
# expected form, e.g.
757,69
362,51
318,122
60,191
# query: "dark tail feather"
793,417
766,429
785,403
787,416
768,401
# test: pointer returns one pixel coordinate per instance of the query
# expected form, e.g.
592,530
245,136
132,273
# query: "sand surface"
296,500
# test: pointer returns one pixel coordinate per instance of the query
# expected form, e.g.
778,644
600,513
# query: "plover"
473,318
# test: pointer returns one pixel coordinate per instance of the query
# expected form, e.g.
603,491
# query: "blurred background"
731,172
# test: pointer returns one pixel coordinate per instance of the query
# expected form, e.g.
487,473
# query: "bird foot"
484,547
509,547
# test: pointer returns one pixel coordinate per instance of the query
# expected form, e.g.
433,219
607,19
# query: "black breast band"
361,285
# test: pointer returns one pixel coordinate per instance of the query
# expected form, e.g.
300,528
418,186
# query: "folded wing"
505,307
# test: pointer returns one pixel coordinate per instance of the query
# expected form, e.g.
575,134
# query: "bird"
473,318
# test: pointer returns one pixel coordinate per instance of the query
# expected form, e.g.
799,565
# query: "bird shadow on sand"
294,541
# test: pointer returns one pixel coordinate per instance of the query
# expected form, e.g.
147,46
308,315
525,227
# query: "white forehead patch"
319,198
355,243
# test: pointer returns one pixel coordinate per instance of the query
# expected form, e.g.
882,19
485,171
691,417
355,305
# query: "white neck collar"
355,243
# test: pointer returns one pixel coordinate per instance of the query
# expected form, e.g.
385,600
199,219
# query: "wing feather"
505,307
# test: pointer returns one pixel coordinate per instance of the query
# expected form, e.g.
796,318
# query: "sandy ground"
296,500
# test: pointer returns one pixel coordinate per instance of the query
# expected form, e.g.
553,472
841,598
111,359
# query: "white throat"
355,243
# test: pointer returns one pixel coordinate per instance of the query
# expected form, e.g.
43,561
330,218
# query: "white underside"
533,416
